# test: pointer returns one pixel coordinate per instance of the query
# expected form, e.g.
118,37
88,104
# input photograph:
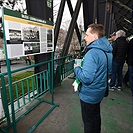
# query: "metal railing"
30,88
65,66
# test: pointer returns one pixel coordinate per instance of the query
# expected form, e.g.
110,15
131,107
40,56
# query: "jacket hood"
101,43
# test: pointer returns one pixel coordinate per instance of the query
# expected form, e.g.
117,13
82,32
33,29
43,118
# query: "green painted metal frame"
64,70
9,73
65,66
5,101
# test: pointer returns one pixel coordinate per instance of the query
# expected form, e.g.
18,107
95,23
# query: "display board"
27,35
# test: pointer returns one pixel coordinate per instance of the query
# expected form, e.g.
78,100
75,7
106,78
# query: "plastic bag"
77,85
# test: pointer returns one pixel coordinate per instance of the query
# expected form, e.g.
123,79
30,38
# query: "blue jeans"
130,68
91,117
116,72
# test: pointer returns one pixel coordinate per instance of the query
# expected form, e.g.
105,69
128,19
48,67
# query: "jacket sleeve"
86,74
114,45
109,63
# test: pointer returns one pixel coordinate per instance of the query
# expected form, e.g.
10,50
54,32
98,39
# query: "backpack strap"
107,89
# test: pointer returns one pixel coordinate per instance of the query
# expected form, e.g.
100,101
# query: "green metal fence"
65,66
30,88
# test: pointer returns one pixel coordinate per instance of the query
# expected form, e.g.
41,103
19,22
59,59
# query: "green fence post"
4,100
9,76
52,77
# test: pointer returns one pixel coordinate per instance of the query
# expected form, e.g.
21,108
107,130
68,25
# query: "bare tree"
61,38
75,46
1,43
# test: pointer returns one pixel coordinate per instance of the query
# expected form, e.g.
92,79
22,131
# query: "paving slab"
116,112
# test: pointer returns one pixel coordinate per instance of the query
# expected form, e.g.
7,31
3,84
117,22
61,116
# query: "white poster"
26,35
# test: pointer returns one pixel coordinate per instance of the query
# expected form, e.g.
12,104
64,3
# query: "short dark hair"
97,28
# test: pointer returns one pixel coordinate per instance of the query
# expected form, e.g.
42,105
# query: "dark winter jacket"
120,47
92,74
130,53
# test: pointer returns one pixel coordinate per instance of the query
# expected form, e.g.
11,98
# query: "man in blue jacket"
93,76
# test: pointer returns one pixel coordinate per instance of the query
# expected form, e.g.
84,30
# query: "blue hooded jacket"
93,74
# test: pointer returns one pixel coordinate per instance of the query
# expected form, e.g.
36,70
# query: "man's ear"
95,36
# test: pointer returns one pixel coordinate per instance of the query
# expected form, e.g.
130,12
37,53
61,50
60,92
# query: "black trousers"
91,117
126,77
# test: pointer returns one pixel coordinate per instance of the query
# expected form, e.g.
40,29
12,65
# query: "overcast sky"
56,3
66,16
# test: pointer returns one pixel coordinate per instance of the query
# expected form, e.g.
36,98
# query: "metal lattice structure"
113,14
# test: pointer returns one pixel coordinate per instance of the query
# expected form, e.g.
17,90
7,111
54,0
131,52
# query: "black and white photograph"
14,36
31,37
49,49
31,48
49,36
30,34
49,45
49,40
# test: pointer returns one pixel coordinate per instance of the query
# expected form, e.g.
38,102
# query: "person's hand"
75,65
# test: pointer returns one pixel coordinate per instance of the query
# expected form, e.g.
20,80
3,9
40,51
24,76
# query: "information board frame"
27,35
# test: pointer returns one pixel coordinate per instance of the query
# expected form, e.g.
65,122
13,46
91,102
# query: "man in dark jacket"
119,56
130,63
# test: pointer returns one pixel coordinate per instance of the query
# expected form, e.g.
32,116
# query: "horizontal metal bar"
37,124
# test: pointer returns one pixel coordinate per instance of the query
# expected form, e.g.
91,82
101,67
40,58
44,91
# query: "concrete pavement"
116,113
15,65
